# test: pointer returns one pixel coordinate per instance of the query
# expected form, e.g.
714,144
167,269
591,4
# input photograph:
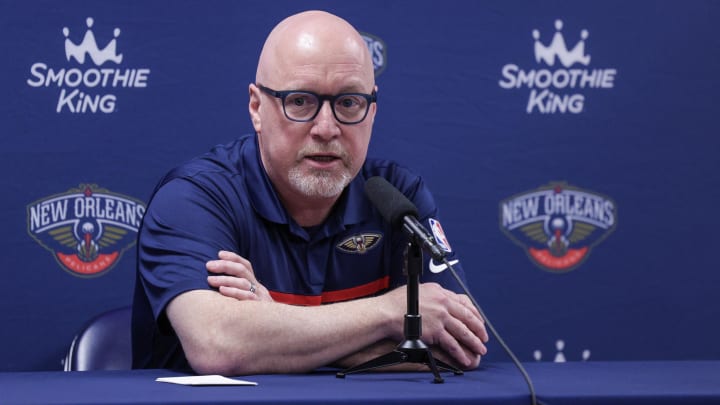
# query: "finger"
238,294
469,316
234,257
465,336
475,324
453,349
229,281
230,268
233,286
474,359
465,300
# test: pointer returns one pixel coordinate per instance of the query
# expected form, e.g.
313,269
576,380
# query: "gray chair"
103,344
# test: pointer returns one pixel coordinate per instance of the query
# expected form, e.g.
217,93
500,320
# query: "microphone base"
411,349
408,351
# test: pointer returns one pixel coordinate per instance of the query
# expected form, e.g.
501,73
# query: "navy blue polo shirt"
224,200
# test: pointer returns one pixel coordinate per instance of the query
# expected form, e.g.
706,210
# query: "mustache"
333,149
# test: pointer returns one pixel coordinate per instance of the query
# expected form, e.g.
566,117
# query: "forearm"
226,336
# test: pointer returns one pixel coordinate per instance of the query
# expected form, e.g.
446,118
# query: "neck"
308,211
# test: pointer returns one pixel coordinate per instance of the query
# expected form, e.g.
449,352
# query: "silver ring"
252,288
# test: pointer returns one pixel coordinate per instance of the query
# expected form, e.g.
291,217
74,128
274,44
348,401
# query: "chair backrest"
103,344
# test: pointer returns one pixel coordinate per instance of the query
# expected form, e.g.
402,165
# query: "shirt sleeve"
185,225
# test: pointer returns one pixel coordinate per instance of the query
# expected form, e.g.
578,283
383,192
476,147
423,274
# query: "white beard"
319,183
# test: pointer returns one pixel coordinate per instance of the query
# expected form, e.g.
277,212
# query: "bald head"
302,42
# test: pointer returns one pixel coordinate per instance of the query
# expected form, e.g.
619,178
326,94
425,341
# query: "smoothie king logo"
378,52
557,225
557,89
88,89
87,229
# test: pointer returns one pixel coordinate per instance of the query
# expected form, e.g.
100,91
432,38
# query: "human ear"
254,107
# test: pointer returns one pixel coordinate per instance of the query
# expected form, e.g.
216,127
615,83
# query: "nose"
325,125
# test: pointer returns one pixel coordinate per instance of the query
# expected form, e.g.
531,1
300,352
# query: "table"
577,383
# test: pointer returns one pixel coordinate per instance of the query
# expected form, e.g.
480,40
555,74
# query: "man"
239,247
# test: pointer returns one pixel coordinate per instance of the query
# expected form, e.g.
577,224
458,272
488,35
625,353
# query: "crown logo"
89,47
560,355
558,48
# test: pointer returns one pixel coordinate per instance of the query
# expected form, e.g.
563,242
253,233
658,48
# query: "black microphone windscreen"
392,204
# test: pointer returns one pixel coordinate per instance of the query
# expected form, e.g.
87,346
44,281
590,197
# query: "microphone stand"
412,349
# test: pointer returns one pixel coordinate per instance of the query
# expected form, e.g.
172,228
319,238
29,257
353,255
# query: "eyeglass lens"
303,106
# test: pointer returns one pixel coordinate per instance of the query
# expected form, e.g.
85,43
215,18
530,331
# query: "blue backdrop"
572,146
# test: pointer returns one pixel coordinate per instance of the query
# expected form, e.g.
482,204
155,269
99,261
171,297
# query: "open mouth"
322,158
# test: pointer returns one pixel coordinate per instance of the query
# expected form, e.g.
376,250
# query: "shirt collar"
261,192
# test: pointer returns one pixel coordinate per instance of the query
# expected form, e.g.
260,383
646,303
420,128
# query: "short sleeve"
186,224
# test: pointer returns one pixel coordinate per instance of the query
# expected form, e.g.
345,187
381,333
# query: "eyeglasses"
304,106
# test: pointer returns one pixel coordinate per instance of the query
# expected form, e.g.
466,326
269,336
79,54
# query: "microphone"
396,209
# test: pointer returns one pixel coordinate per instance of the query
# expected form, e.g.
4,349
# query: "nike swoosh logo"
439,268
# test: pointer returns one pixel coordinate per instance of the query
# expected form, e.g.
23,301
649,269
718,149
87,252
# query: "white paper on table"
204,380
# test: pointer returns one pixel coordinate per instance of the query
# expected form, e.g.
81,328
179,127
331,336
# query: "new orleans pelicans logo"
359,243
87,229
378,52
558,224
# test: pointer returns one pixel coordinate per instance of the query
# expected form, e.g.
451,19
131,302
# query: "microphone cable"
395,207
505,347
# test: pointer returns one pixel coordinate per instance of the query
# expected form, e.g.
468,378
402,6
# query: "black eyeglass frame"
282,95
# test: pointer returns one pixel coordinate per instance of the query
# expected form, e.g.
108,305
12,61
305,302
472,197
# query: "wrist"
391,316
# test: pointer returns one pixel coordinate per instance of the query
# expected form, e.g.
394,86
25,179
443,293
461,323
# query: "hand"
450,322
236,278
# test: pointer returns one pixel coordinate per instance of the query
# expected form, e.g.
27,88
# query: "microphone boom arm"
420,235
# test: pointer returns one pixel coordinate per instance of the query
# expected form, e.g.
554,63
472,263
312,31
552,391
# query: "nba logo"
439,235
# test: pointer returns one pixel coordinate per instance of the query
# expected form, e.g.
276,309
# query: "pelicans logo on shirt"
557,225
86,229
359,244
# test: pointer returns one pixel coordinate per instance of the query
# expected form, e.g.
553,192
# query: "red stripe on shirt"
333,296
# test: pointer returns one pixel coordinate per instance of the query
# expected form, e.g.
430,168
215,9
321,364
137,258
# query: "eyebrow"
356,87
343,90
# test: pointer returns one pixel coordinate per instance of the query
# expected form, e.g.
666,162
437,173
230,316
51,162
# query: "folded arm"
236,332
227,336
